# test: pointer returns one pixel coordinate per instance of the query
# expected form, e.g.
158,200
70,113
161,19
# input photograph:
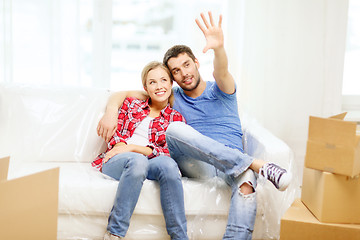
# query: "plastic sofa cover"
46,127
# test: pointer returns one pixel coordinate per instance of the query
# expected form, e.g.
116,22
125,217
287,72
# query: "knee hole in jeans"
246,188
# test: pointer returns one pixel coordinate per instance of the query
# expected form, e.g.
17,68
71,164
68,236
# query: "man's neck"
197,91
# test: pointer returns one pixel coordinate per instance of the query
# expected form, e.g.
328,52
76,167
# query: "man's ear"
197,63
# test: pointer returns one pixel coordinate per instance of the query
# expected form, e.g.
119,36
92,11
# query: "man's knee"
173,127
177,130
246,188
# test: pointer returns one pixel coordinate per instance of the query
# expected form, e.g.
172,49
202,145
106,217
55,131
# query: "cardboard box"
333,146
4,168
28,205
332,198
298,224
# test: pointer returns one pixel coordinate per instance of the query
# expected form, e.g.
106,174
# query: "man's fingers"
104,133
220,20
211,18
100,131
204,20
203,29
109,135
200,25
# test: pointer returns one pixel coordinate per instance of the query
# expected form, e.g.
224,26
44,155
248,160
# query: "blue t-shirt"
214,114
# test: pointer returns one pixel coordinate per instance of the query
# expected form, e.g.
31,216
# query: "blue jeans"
202,157
131,169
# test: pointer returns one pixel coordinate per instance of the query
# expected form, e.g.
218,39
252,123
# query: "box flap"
29,206
340,116
4,167
332,131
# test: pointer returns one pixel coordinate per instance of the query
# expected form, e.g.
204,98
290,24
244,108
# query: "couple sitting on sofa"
147,139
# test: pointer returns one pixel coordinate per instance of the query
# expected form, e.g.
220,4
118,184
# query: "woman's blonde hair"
150,66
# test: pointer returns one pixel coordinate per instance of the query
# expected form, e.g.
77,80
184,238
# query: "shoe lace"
273,173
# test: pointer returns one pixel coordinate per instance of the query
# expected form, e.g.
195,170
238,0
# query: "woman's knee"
137,164
166,166
164,163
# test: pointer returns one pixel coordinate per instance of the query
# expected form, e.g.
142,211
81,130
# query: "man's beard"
197,82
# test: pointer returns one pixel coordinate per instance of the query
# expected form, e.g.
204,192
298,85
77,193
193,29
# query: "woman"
138,150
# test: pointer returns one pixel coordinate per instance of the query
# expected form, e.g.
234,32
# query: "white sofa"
46,127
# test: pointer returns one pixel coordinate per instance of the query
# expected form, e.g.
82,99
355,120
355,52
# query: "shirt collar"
166,111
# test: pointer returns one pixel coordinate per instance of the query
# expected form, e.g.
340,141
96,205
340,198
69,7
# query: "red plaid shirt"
131,113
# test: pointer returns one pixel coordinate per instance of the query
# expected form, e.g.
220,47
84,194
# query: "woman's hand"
118,148
123,148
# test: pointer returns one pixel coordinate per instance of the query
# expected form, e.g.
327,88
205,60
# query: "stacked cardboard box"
298,223
333,146
330,198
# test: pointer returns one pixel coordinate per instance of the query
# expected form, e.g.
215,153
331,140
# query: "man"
211,144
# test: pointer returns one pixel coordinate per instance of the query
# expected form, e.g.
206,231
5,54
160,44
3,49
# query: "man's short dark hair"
175,51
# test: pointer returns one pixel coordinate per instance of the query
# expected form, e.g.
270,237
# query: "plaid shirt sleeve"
117,137
160,148
122,132
97,163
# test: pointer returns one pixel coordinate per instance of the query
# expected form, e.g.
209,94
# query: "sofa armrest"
261,143
272,204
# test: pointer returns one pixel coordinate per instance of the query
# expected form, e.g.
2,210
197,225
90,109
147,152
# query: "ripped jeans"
199,156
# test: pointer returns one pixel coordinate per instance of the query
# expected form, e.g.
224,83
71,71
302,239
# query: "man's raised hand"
213,33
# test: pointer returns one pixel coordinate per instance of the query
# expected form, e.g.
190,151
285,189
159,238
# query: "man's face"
185,71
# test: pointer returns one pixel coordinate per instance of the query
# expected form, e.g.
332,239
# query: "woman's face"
158,85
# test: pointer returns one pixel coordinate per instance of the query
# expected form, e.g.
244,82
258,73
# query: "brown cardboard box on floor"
332,198
333,145
4,168
298,223
28,205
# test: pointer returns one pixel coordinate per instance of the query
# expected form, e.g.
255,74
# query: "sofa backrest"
51,123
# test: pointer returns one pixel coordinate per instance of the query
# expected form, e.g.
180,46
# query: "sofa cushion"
51,124
86,197
85,190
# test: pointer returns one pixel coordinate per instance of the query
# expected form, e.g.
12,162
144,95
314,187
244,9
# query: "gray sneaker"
109,236
277,175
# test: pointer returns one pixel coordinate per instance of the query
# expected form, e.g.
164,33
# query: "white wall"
293,53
